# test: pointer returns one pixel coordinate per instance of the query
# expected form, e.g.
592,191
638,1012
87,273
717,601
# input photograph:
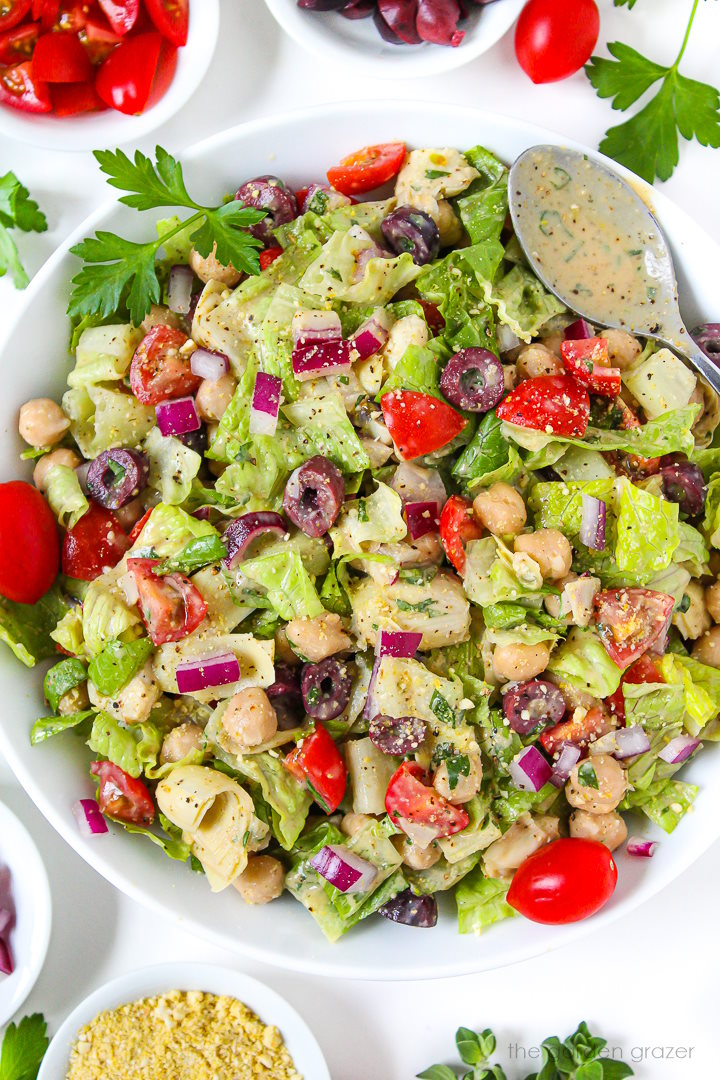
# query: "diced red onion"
6,960
578,330
309,327
265,404
345,870
630,741
209,365
422,518
370,337
363,257
399,643
529,770
243,530
178,416
90,821
645,849
202,513
566,762
312,360
679,749
506,339
180,283
6,917
592,527
212,671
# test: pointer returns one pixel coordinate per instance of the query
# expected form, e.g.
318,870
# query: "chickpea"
448,223
262,880
553,342
611,781
501,510
214,396
609,829
695,620
526,836
74,700
352,824
623,348
509,377
283,652
314,639
712,601
466,786
159,315
210,269
517,663
536,360
550,550
414,856
707,648
249,718
42,422
45,464
179,742
553,604
129,514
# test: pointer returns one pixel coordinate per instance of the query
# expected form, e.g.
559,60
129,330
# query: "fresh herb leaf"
49,726
200,552
120,273
442,710
117,663
17,211
587,775
437,1072
62,677
647,143
422,607
624,3
23,1048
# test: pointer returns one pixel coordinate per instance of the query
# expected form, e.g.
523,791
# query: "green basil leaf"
49,726
202,551
61,678
117,663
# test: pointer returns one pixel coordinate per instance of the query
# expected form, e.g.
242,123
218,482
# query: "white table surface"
648,984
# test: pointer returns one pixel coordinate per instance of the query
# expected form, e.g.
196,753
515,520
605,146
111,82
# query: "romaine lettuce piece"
647,531
27,629
441,876
481,902
701,686
169,530
234,427
378,519
711,521
63,492
583,663
106,616
116,664
487,452
288,800
256,479
691,552
101,418
479,834
322,427
665,802
456,285
493,574
131,748
68,633
417,370
288,585
338,273
653,705
522,302
61,678
173,466
50,726
104,354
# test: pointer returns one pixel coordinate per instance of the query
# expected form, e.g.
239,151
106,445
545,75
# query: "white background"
650,982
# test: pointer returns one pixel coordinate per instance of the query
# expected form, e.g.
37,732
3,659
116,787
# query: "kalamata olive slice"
683,483
408,229
358,9
707,335
116,477
321,5
395,19
397,735
473,380
196,440
286,696
530,704
314,496
270,194
326,688
411,910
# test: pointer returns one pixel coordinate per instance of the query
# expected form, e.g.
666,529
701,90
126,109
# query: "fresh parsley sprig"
23,1049
577,1058
648,142
17,211
120,273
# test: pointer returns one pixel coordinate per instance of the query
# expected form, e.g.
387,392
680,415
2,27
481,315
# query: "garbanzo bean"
695,620
211,269
707,648
262,880
501,510
354,823
179,742
466,786
712,601
610,829
42,422
214,396
249,718
45,464
414,856
550,550
314,639
610,779
159,315
519,662
74,700
535,360
623,348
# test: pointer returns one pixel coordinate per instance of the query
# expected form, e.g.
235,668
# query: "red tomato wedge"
419,423
157,371
98,39
49,14
170,605
19,88
588,360
29,543
410,798
642,671
122,796
60,58
317,762
367,169
125,80
12,12
171,18
140,525
555,404
579,731
457,527
268,256
96,543
629,621
72,99
18,44
565,882
121,14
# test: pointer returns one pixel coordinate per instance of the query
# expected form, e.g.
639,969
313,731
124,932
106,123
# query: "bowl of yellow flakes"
185,1021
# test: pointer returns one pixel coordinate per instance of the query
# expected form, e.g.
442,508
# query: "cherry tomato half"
457,528
317,762
12,12
19,88
122,796
72,99
126,77
49,14
268,256
157,371
642,671
29,543
554,38
60,58
629,621
367,169
96,543
555,404
565,882
121,14
419,423
18,44
171,18
578,730
410,798
170,605
587,359
98,39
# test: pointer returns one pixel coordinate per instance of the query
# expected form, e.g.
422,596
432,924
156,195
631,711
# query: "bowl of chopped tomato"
75,74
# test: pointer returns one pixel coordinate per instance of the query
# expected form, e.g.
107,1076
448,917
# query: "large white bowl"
358,44
91,131
299,147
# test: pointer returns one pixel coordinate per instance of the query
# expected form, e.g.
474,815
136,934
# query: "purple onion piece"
7,965
208,672
473,380
116,477
566,762
579,330
345,870
178,416
312,360
644,849
630,741
180,283
592,525
679,749
209,365
411,910
422,518
529,770
243,530
326,688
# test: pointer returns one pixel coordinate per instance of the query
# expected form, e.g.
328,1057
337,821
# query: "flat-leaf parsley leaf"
23,1049
17,211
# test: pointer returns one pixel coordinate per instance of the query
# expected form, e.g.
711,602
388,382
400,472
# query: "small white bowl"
31,894
358,42
269,1006
93,131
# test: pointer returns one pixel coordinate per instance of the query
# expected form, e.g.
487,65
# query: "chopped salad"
382,575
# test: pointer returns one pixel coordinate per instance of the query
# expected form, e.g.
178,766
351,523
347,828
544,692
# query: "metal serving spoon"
594,242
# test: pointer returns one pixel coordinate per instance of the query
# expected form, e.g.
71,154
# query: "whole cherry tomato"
565,882
29,543
554,38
